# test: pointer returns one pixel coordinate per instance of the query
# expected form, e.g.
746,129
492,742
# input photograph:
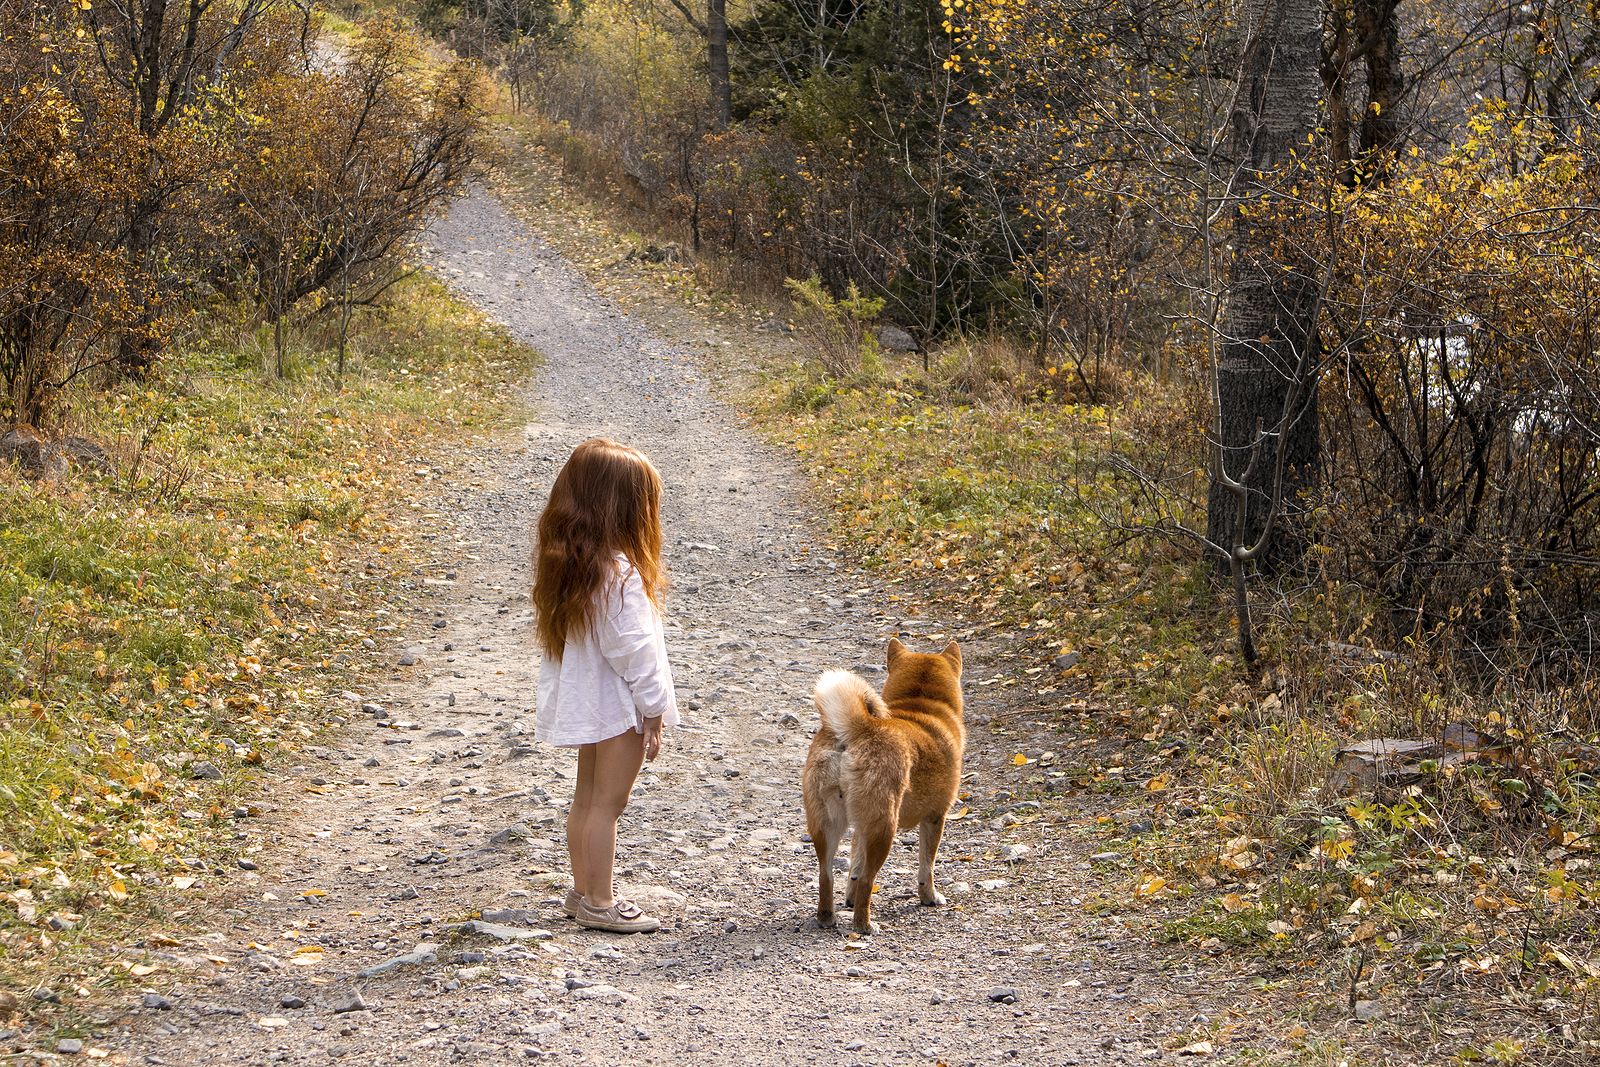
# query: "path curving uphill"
440,805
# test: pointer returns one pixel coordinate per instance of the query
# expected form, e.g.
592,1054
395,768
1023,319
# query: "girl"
605,687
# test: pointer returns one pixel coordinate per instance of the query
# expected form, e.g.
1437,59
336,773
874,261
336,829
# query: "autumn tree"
172,61
65,288
341,165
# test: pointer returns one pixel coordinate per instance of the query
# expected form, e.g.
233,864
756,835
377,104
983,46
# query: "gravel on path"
352,943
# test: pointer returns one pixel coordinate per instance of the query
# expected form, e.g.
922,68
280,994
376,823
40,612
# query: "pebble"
375,710
69,1046
511,835
204,771
292,1001
1014,854
1003,994
246,864
602,994
354,1001
157,1002
411,656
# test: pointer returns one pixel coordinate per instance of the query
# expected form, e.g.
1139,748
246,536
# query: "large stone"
650,897
603,994
894,339
1381,762
426,952
510,916
503,933
24,446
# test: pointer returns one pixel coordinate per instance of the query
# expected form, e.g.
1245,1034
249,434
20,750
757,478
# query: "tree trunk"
1380,126
717,58
1266,362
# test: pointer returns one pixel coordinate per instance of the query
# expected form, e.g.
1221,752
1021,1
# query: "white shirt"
612,677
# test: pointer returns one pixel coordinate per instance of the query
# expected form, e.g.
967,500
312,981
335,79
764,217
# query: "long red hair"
607,499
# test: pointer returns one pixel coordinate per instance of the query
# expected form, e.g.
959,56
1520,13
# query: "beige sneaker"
570,905
623,917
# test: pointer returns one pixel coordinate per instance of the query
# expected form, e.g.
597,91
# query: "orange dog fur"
880,764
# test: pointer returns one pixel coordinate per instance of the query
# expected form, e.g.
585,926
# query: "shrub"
840,326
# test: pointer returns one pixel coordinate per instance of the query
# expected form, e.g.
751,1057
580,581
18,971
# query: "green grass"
199,601
1004,507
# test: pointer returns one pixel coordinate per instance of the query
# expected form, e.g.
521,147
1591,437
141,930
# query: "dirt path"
439,805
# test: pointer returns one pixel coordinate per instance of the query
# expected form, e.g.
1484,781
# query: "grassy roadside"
170,623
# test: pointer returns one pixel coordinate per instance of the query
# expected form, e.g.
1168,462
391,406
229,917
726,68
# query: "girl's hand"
652,738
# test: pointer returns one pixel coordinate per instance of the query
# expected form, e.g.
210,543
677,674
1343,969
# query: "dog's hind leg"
857,858
826,827
929,831
872,844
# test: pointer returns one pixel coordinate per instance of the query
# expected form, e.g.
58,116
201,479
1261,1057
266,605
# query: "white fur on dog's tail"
847,704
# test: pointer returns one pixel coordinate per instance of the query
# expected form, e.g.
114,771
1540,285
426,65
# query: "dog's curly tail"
847,703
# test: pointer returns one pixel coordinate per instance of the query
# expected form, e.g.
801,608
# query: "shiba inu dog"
880,764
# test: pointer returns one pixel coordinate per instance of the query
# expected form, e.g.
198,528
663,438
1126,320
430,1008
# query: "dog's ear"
952,652
896,650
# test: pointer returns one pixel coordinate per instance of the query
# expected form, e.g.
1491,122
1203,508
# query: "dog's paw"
866,929
933,899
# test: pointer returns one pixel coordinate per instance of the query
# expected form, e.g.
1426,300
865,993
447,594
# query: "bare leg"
578,815
616,765
928,833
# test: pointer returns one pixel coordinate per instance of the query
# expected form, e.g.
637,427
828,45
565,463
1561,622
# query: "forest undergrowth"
184,614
